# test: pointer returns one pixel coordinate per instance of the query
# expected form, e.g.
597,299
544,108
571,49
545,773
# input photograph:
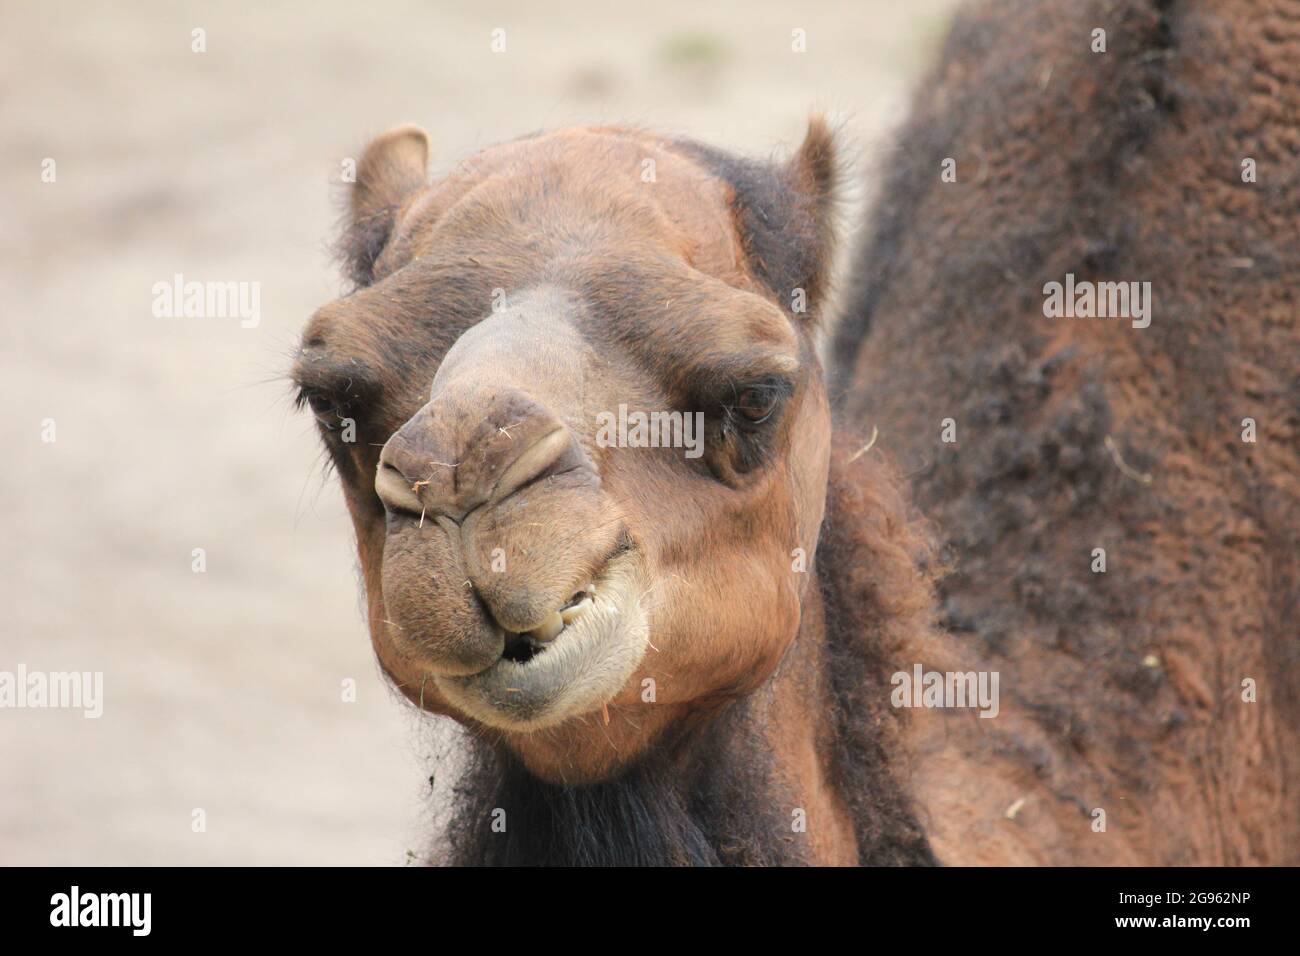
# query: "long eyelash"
777,388
780,387
732,417
300,402
305,392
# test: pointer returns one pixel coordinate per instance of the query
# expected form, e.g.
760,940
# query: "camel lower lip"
577,672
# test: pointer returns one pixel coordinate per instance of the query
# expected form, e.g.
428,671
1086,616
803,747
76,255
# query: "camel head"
581,428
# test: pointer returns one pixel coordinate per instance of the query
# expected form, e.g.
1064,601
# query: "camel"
1162,691
662,657
660,653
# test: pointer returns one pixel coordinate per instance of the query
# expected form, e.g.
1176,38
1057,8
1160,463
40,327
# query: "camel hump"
1114,480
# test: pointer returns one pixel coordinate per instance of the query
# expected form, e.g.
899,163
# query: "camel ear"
785,215
814,174
392,167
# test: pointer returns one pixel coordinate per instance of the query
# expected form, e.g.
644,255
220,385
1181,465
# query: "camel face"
581,432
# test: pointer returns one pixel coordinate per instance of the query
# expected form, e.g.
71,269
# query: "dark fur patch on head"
784,213
360,244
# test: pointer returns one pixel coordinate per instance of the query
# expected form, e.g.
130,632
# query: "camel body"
1161,696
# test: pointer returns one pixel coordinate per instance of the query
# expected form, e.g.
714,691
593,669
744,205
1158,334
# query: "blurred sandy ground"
223,689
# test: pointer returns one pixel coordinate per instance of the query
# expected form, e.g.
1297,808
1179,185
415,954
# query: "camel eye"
755,405
322,406
327,411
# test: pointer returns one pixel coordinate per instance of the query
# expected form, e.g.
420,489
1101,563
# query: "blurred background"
223,690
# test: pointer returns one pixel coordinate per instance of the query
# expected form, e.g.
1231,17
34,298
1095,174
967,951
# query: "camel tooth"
569,614
549,629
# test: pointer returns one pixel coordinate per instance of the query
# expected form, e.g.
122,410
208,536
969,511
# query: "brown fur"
1121,690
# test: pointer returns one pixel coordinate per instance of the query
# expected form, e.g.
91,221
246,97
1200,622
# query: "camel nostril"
542,457
395,491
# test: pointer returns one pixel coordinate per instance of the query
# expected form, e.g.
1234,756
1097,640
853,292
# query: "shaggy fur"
1122,691
875,564
709,801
